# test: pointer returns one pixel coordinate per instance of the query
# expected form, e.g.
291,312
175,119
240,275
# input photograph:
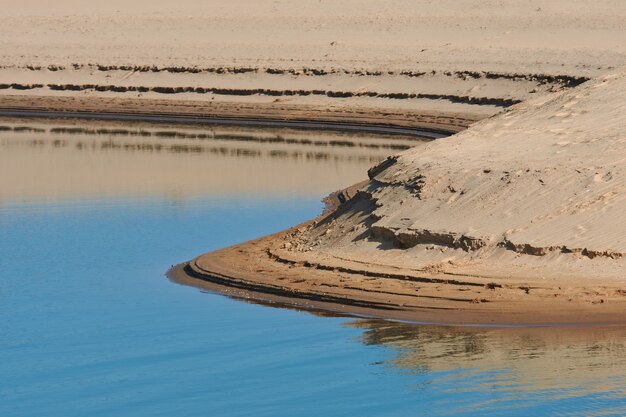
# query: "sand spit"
521,212
518,219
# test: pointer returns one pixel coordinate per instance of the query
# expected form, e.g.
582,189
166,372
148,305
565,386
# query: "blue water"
91,326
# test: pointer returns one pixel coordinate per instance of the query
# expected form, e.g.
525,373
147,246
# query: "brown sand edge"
425,123
261,271
249,272
531,315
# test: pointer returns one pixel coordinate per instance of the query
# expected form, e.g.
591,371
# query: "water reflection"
511,363
89,320
82,158
288,136
551,369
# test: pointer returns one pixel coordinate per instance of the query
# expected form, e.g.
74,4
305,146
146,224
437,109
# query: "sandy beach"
518,217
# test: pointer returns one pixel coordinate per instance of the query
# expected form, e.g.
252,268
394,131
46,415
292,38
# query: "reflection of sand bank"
592,358
49,161
531,359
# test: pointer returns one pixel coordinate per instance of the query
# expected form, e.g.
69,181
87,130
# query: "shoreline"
428,124
341,126
247,271
523,316
397,248
381,291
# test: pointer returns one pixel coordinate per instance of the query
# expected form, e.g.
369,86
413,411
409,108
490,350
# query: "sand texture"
517,218
542,36
520,218
471,56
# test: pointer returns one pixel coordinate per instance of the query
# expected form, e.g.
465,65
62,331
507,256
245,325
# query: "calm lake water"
92,216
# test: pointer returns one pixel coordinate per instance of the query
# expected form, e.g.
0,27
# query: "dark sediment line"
559,79
527,249
280,291
499,102
365,273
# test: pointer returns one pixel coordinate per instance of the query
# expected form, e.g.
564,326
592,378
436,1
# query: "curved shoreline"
189,274
263,271
243,272
428,284
491,226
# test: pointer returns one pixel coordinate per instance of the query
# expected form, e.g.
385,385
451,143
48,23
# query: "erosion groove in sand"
406,238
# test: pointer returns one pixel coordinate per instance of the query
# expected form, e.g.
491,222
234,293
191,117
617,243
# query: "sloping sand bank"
519,219
415,56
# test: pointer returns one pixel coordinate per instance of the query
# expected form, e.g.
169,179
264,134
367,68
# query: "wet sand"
253,271
523,312
384,121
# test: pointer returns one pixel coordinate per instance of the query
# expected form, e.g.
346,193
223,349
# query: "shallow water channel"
93,214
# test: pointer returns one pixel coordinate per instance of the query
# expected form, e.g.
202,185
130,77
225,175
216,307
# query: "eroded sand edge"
518,219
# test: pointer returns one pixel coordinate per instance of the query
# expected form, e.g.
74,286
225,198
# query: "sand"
472,57
519,218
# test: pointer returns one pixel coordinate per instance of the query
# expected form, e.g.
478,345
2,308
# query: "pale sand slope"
538,192
471,56
519,219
